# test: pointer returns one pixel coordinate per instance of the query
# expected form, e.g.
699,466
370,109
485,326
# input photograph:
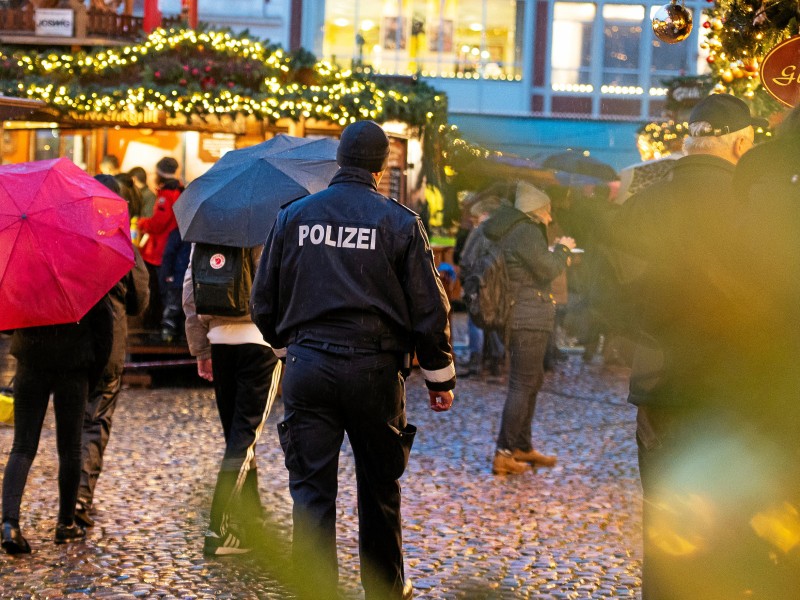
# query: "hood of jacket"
502,221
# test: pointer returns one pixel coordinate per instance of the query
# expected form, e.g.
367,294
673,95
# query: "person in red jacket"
154,232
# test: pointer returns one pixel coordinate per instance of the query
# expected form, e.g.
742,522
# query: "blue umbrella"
236,201
587,169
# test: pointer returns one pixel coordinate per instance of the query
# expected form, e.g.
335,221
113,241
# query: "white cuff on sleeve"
440,375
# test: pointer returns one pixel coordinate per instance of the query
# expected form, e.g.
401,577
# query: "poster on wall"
393,33
443,35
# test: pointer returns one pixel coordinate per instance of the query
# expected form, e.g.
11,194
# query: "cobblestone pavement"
572,532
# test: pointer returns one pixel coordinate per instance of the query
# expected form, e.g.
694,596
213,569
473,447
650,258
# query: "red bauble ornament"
710,59
707,24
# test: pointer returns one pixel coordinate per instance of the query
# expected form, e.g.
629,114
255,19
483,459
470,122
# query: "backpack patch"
222,277
484,280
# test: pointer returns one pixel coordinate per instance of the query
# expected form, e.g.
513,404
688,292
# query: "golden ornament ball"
672,23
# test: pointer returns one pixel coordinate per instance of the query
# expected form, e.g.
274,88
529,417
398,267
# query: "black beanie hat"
363,144
167,167
109,181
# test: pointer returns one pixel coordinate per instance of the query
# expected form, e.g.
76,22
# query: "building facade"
526,76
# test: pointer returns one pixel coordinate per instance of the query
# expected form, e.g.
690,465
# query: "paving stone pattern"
571,532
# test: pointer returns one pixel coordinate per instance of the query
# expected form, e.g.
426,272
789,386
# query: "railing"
113,25
98,23
16,20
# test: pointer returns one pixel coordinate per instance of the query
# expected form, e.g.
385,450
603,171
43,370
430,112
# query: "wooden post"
190,8
81,18
298,128
152,16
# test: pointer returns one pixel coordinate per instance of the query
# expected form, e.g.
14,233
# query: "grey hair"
696,143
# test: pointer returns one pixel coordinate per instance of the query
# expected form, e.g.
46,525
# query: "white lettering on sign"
338,236
54,21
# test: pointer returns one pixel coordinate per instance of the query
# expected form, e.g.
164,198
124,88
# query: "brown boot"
505,464
537,459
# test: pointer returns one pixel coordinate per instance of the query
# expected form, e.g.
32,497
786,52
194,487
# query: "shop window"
449,38
609,50
47,144
622,33
55,143
571,53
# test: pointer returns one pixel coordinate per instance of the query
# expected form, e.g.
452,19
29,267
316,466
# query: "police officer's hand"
204,369
441,401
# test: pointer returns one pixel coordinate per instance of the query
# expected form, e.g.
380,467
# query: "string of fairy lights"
163,74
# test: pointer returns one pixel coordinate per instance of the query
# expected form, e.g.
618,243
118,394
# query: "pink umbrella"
64,242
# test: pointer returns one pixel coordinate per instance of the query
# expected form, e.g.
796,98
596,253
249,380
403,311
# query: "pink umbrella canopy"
64,243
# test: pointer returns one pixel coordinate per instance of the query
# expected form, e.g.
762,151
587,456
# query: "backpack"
222,277
484,280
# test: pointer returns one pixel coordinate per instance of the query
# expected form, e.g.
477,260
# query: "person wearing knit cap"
347,291
521,232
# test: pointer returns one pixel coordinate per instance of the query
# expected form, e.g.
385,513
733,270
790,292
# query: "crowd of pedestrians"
698,270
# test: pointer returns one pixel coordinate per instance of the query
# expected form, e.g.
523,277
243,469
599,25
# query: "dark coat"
531,267
676,245
348,265
768,179
128,297
71,346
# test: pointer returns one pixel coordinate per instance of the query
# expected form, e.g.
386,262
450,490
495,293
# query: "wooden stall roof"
11,108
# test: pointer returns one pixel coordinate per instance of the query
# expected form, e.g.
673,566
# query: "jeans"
32,387
526,373
475,338
328,392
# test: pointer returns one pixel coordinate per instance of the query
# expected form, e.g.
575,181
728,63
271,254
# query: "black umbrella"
579,164
236,201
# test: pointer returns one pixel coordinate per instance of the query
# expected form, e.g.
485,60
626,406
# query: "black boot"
82,516
13,541
69,533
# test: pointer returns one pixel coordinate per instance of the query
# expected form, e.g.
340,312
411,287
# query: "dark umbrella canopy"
236,201
579,164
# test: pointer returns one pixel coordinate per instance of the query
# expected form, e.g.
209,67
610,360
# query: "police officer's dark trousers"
329,390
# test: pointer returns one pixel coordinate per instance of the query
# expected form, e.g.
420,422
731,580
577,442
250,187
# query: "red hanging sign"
780,72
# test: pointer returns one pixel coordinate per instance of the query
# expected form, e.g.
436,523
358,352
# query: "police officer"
347,292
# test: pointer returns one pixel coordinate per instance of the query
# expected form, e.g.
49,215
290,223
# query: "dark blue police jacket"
350,266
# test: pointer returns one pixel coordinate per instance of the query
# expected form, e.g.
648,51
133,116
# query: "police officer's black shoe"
13,541
69,533
82,516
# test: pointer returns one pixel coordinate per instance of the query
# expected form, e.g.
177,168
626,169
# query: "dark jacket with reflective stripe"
350,266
